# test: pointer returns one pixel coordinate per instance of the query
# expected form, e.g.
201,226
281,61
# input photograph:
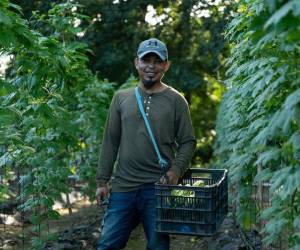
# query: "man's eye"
148,61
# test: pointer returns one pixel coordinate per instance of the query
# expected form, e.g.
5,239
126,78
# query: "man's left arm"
186,141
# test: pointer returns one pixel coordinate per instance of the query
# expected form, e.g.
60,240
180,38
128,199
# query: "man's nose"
151,64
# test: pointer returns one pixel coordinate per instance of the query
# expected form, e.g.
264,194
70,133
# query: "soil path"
81,230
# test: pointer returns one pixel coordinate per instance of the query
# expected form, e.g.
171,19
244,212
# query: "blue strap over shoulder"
162,162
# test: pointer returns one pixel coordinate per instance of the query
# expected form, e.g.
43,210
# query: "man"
132,199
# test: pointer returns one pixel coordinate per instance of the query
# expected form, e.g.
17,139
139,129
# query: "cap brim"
152,51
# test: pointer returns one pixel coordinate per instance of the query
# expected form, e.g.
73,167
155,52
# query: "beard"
148,84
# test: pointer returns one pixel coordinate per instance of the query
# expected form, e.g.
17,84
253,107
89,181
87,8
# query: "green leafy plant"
52,111
259,118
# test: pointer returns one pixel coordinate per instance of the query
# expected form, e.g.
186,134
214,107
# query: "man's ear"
167,65
136,63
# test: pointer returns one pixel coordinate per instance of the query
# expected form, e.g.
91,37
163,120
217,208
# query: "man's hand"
101,194
170,178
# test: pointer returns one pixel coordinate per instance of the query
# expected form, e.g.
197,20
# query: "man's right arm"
109,148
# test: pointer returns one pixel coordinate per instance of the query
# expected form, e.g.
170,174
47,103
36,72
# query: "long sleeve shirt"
127,148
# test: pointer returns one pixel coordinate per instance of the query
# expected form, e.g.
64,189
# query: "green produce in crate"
185,193
199,183
184,202
181,192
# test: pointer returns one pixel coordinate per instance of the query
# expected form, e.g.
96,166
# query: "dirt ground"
81,230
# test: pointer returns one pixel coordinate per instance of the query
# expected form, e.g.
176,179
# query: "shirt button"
148,108
148,102
147,114
149,97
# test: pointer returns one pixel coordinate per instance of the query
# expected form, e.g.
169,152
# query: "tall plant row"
52,110
258,126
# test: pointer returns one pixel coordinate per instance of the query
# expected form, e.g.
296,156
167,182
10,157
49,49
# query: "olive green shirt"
127,146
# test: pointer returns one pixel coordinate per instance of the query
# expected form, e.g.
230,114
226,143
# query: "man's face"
151,69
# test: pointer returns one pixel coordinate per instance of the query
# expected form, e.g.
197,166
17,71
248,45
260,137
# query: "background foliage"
258,124
53,105
52,112
193,31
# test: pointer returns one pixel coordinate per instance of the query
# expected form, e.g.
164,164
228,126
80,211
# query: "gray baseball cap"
153,45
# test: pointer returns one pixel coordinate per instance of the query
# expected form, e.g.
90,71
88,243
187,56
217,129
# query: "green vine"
52,111
259,118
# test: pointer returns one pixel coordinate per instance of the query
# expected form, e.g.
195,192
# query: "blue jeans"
124,212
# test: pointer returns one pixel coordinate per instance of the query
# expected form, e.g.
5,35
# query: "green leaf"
279,178
275,226
282,12
16,7
295,141
292,100
261,138
296,224
27,148
7,117
5,159
263,176
7,99
4,19
54,215
291,184
272,5
267,156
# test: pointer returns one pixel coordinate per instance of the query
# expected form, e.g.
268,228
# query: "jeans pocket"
121,197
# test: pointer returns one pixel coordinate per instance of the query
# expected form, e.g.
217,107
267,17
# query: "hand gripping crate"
191,210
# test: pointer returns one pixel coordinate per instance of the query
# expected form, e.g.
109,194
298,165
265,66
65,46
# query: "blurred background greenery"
193,31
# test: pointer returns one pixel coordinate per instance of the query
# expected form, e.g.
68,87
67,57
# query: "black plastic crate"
193,210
